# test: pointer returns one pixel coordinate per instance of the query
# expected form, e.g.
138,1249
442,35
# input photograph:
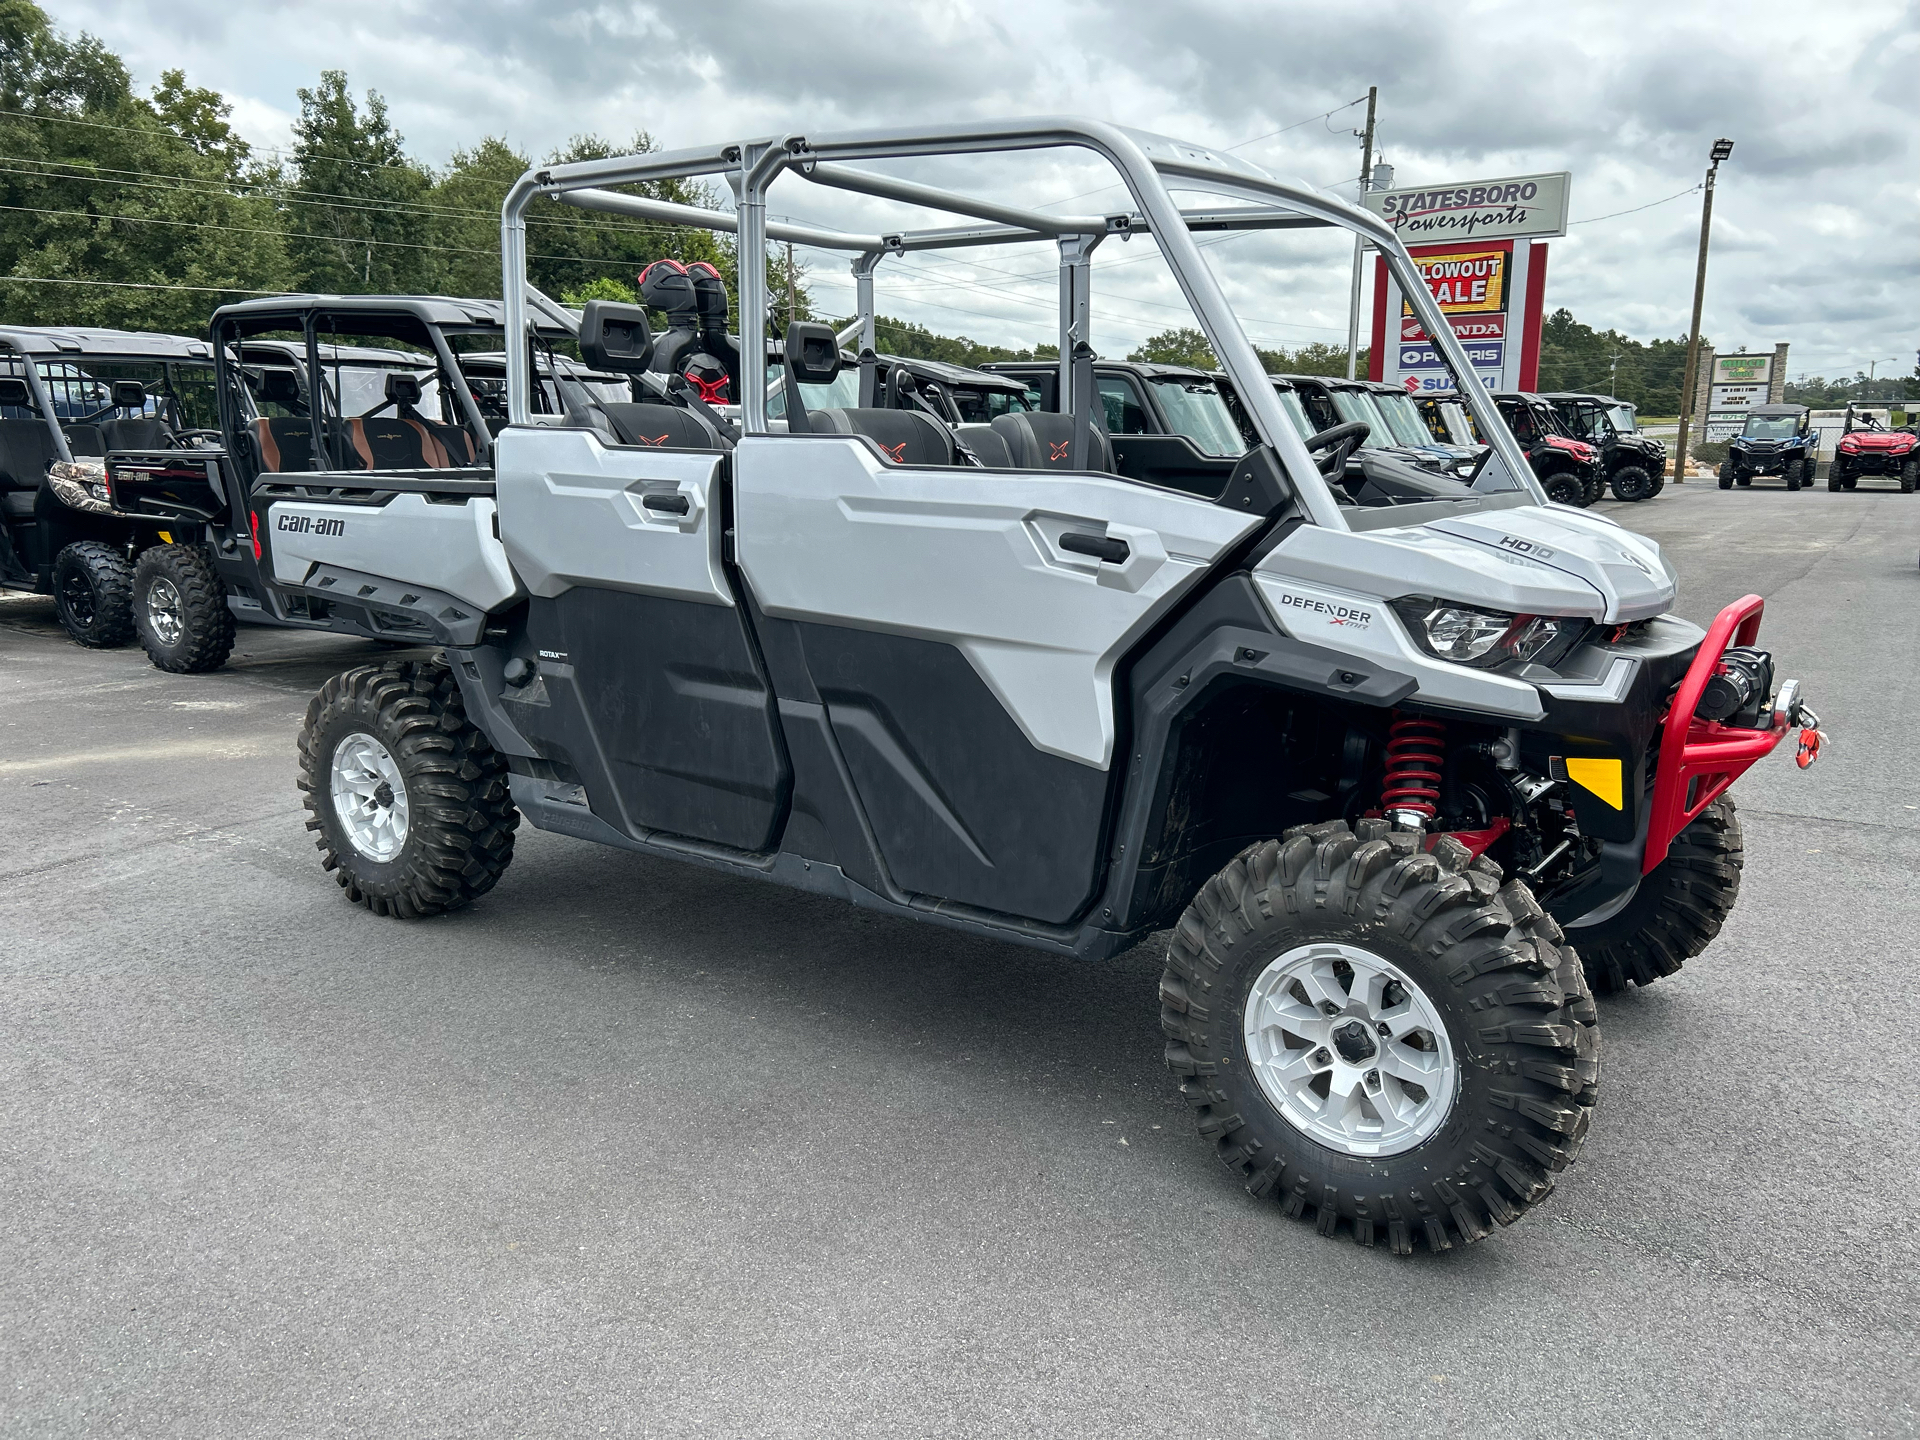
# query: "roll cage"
437,325
1149,166
32,353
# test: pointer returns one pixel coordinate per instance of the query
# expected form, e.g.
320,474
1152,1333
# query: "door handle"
667,503
1110,548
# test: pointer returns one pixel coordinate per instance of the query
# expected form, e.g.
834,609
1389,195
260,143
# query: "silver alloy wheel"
165,613
370,797
1349,1049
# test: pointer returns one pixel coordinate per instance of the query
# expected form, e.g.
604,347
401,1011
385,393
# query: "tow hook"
1790,709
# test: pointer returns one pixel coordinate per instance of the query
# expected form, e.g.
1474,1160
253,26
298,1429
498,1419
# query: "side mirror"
129,395
813,354
614,336
15,392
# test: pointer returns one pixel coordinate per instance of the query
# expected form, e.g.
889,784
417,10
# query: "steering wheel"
1339,441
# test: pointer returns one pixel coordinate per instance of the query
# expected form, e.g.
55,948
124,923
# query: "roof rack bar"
865,182
644,208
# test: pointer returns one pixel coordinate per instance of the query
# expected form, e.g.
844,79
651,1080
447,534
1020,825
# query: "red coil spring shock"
1416,757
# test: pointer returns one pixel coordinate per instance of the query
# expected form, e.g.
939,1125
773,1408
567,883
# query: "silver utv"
1364,762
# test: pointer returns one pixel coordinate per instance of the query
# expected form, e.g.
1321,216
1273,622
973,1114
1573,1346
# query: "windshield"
1358,405
1772,427
1401,418
1296,412
358,389
1622,418
1195,409
840,393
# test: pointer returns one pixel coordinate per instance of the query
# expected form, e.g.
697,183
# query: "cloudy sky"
1817,217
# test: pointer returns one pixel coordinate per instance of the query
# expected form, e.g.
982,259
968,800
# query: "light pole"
1721,150
1867,392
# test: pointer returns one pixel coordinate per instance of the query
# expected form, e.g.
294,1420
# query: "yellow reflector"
1602,777
166,536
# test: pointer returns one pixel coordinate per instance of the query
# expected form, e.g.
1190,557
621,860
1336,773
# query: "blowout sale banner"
1466,279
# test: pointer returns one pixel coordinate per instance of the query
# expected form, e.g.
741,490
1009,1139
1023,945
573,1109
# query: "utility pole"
1613,377
1721,150
790,312
1366,179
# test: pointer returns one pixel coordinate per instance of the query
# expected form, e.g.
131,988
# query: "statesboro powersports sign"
1519,206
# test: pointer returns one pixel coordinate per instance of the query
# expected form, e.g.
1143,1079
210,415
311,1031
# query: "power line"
355,240
138,285
326,199
1690,190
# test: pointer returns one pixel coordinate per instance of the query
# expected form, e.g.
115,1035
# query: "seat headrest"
709,295
403,389
665,285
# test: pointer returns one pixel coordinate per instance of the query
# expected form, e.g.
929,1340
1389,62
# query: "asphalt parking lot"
633,1149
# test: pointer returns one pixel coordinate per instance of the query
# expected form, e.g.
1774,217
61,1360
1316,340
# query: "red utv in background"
1867,447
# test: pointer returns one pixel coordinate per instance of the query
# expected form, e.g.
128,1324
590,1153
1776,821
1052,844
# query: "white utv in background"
1379,767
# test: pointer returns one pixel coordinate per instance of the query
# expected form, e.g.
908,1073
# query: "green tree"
1575,356
917,342
355,200
1184,346
135,198
1316,357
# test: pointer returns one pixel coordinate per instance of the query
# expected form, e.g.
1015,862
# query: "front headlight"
1485,639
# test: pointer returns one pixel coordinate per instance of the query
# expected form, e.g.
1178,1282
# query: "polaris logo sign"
309,525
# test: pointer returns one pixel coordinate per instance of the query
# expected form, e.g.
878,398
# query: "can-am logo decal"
1525,547
309,525
1335,614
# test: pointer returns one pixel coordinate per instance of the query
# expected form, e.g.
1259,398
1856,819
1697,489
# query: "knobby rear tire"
1517,1011
107,578
460,833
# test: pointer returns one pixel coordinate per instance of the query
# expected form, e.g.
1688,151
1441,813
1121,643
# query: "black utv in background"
69,399
1635,464
1776,440
1568,469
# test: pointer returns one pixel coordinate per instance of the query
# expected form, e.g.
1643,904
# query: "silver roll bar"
1146,164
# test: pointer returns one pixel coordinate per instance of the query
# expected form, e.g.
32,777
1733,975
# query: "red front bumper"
1700,759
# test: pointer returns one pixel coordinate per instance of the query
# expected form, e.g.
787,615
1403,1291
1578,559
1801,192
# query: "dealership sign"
1738,383
1490,293
1518,207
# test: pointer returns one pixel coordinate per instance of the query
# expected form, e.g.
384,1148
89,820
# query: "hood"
1528,559
1876,440
1625,568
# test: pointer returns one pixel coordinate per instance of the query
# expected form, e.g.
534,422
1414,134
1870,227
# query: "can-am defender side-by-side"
1380,767
99,431
1635,464
393,402
1775,440
1868,447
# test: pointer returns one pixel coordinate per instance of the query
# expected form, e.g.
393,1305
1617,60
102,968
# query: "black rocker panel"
961,804
667,701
